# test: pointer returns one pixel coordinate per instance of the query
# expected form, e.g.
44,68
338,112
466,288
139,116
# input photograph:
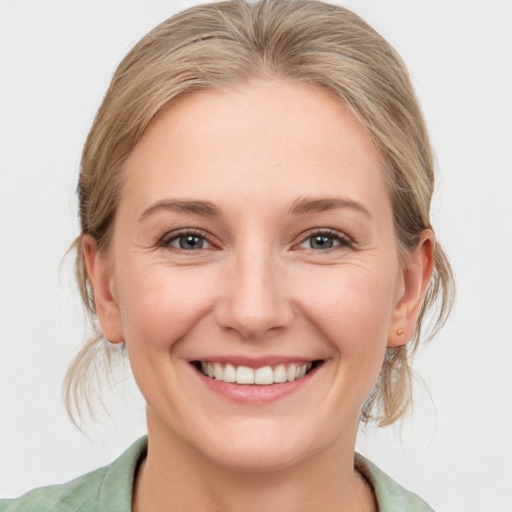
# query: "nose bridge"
256,303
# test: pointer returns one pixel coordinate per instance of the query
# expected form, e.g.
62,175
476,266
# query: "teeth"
217,369
244,375
291,372
280,373
263,376
229,373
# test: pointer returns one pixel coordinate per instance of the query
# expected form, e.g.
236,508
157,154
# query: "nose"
254,301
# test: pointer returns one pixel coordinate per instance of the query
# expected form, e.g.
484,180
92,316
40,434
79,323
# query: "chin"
261,449
257,459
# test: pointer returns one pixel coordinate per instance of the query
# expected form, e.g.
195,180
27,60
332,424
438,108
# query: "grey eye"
189,242
321,242
325,240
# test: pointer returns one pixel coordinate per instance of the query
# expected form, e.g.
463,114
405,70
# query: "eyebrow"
204,208
306,205
301,206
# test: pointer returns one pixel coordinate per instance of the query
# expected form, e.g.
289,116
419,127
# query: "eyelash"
343,240
168,238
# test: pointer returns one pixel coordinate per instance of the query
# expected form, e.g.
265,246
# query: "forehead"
273,136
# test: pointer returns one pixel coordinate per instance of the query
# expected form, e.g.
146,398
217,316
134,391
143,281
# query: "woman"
254,203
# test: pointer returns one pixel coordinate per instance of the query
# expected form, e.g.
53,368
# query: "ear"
415,278
105,296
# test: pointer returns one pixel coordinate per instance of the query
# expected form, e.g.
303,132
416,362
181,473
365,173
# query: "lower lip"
254,393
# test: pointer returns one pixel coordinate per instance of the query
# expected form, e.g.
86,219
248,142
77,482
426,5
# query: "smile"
250,382
263,376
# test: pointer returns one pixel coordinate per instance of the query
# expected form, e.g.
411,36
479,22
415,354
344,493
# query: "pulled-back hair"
230,43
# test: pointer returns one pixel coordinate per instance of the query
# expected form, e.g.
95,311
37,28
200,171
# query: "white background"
57,58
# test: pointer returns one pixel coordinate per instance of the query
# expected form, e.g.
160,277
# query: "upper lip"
255,362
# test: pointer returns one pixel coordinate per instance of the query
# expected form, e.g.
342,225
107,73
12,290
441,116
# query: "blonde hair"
228,43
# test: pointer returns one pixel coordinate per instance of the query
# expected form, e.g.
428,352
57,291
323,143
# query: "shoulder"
78,494
391,496
105,489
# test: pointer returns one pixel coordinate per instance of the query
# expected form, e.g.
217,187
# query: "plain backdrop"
57,57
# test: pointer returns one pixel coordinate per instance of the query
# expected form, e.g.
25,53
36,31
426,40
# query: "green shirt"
109,489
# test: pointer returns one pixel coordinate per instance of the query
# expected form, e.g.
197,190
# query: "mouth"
259,376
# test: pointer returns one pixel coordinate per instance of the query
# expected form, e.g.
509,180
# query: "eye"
323,240
186,241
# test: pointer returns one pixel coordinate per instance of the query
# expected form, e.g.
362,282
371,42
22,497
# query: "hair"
227,44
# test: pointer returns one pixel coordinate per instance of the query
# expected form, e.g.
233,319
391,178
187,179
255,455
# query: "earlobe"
105,297
416,277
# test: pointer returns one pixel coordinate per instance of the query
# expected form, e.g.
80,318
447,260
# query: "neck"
175,477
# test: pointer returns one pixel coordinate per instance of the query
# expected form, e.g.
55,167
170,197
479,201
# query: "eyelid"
344,239
170,236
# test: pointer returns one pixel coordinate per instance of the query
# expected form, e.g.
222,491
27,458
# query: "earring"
399,332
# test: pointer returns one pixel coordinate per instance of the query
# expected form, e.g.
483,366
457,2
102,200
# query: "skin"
258,287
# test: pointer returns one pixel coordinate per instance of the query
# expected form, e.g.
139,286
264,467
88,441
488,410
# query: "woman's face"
254,240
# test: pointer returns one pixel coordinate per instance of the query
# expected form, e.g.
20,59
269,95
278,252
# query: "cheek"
353,314
160,305
354,302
